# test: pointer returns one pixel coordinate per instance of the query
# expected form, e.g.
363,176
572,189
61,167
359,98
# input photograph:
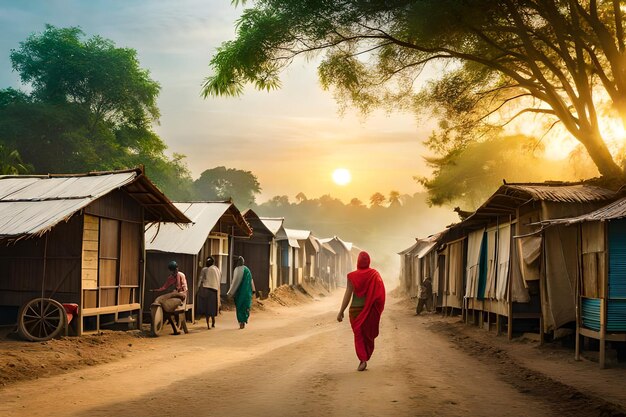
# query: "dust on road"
295,361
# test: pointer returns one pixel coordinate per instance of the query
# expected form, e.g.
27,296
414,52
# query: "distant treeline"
383,229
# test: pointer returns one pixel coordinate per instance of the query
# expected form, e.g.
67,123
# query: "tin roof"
273,223
189,239
32,205
297,234
410,248
558,192
257,224
346,245
509,197
613,211
326,246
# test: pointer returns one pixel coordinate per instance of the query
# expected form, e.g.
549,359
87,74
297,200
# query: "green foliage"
221,183
470,175
91,107
11,163
62,68
491,61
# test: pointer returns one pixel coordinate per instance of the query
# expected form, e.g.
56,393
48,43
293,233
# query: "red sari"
367,283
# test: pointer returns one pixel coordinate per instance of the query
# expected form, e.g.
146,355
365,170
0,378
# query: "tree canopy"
494,62
377,199
470,175
221,183
90,106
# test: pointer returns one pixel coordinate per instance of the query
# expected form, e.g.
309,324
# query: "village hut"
76,240
274,225
303,249
215,226
354,253
417,264
259,251
288,250
327,265
343,258
487,271
406,276
600,286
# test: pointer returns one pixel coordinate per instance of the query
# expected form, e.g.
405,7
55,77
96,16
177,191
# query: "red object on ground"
367,283
71,310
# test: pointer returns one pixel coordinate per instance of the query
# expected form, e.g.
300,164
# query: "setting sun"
342,176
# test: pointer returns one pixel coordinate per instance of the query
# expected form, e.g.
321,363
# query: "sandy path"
287,362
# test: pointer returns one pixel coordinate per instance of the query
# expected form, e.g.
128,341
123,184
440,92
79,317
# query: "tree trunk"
600,155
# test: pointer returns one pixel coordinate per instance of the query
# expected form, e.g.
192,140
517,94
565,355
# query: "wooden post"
508,297
195,276
577,291
510,321
498,325
142,287
466,316
577,354
463,311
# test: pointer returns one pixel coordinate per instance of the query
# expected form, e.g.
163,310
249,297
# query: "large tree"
221,183
90,106
495,60
62,67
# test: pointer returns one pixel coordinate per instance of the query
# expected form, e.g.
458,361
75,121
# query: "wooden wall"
22,267
256,252
157,273
97,252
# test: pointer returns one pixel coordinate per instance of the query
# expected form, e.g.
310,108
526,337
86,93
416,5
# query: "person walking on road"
425,297
241,289
209,291
365,292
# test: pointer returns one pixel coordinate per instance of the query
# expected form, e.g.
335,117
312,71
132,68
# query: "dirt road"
296,362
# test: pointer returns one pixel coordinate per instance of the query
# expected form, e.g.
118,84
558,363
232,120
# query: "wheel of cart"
41,319
156,324
176,319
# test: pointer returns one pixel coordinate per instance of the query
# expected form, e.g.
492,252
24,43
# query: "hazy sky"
292,139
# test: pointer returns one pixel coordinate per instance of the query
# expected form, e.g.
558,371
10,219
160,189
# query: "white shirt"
210,277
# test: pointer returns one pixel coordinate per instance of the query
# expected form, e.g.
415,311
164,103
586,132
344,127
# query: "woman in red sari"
366,290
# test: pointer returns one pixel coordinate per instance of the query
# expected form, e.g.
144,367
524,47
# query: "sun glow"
342,176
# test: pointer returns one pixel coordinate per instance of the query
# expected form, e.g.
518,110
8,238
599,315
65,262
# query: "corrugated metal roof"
426,249
346,245
32,205
562,192
509,197
187,239
281,235
613,211
328,248
409,249
273,223
297,234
